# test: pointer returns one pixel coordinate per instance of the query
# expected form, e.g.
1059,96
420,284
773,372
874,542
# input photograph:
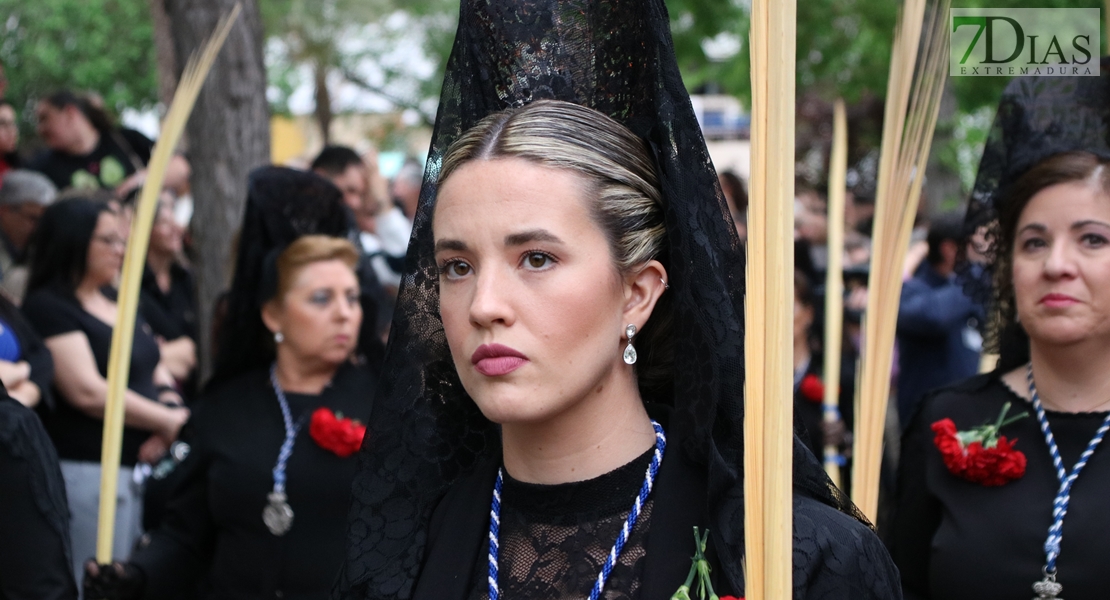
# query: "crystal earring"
629,351
278,337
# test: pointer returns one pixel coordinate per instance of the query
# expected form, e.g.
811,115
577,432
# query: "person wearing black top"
532,420
957,536
35,552
809,383
167,300
76,254
216,540
86,152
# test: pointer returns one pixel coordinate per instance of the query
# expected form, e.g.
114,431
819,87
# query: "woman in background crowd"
810,382
87,152
168,301
261,507
75,258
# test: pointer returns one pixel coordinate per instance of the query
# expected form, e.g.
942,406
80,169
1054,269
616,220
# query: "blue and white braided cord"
494,534
290,433
1063,496
626,530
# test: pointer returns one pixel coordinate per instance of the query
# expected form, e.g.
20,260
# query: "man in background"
938,323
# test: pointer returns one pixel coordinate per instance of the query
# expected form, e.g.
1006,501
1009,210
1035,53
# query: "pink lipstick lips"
1058,300
494,360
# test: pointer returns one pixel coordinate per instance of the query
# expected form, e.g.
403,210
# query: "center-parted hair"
624,189
622,192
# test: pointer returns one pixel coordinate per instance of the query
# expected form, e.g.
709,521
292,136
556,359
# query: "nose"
490,304
347,310
1060,262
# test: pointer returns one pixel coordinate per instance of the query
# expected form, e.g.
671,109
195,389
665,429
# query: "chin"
508,409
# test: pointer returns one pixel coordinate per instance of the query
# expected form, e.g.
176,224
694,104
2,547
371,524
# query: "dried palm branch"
119,361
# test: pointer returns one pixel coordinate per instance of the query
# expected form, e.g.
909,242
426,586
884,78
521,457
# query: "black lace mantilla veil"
425,432
282,205
1037,117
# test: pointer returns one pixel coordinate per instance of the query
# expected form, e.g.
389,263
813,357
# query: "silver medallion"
1047,589
278,515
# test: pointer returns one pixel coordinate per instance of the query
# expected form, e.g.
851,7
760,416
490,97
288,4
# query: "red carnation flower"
811,388
980,455
335,433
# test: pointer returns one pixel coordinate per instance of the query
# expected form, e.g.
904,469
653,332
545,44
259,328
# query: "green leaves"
102,46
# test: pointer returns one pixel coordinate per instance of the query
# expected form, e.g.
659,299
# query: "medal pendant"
1047,589
278,515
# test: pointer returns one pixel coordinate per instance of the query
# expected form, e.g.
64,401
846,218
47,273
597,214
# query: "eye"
455,268
1033,243
352,298
320,297
537,260
1093,240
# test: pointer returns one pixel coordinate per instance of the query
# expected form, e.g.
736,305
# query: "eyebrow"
532,235
453,245
1084,223
1041,228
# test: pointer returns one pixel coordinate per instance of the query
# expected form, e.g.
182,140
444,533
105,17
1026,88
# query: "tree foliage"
101,46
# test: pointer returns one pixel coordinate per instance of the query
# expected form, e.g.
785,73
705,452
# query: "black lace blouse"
555,538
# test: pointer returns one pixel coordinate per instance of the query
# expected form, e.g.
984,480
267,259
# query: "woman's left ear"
642,289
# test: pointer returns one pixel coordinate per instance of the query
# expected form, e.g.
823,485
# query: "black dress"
835,556
954,539
212,535
34,518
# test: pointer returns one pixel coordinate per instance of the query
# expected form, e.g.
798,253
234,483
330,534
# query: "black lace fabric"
555,538
1037,117
425,433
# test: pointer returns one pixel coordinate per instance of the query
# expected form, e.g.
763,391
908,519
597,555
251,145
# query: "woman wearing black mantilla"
1027,516
565,374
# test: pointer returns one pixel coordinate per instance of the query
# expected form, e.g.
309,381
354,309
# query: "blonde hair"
624,190
307,250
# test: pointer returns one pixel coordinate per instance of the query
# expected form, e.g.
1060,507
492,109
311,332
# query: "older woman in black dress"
261,506
971,526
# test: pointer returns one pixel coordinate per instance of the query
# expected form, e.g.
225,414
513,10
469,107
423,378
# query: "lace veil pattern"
425,432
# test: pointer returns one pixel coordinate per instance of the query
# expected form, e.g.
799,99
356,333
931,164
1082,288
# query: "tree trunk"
165,53
323,100
229,134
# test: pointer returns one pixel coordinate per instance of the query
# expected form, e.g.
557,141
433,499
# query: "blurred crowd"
317,265
297,340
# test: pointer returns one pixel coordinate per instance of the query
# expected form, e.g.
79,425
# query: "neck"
298,375
1073,378
86,141
88,290
160,263
597,435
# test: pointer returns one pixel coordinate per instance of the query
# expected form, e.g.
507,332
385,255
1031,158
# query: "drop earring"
629,351
278,337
